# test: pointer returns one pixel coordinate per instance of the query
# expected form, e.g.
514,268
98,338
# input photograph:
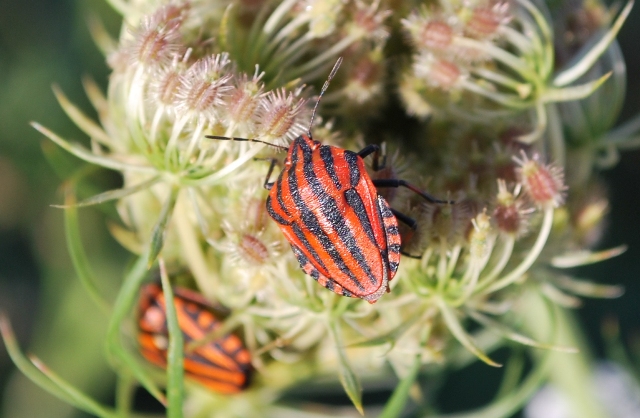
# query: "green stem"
531,257
570,373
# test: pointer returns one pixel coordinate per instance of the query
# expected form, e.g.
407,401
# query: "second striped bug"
222,365
343,233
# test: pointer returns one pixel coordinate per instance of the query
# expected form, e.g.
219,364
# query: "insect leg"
403,183
411,223
268,185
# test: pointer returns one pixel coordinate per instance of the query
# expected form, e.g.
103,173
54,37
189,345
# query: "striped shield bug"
222,365
343,233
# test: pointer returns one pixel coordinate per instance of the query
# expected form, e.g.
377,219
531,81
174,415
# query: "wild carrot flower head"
202,105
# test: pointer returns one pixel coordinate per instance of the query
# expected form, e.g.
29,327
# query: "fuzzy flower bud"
485,20
279,115
157,39
544,184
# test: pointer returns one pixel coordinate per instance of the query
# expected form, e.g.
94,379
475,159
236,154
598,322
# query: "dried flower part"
544,184
510,213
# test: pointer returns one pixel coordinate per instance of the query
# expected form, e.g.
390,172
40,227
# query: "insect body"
343,233
222,365
341,230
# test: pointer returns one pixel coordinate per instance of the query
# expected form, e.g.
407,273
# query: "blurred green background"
47,41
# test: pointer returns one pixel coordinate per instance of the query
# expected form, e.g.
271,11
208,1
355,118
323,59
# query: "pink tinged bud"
483,23
444,74
436,36
369,19
544,184
157,39
252,249
166,86
244,100
278,115
204,86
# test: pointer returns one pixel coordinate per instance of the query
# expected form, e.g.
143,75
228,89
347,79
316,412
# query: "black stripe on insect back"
313,226
303,239
279,219
330,210
279,195
355,201
354,172
329,166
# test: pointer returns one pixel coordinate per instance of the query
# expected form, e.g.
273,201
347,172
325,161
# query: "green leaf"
77,253
588,289
124,303
47,380
583,258
568,94
396,404
391,337
88,156
559,297
157,235
81,120
587,61
101,37
96,97
515,336
113,194
461,335
223,31
507,405
175,355
348,378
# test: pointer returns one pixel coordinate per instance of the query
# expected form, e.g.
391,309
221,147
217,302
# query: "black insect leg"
411,223
268,185
403,183
375,150
368,150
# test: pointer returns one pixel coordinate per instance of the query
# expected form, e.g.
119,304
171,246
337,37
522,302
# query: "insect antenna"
226,138
325,86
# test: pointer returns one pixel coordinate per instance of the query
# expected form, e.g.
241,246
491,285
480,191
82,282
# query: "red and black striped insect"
343,233
222,365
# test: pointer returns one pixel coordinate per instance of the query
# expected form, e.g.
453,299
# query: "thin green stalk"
121,309
78,256
46,379
175,355
532,255
398,400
